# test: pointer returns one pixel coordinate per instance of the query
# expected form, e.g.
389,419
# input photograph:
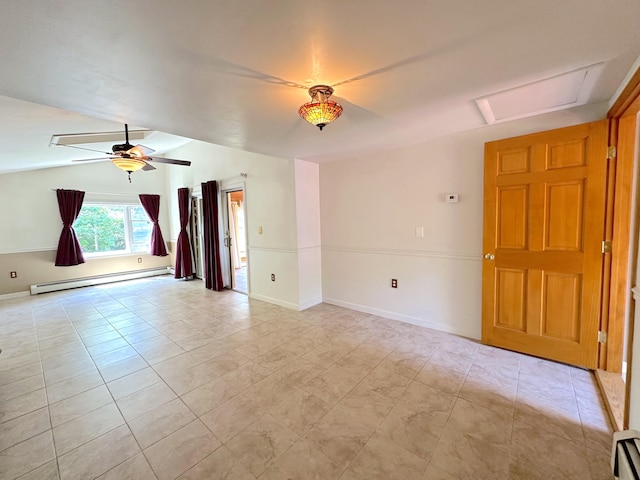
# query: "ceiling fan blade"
171,161
140,151
148,167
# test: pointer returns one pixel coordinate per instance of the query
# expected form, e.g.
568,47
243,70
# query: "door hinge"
602,337
606,246
611,152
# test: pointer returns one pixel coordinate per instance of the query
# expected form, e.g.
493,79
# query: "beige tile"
20,373
540,455
220,464
364,403
136,468
81,430
15,407
133,382
260,444
48,471
21,387
98,456
491,425
600,465
46,353
246,375
205,398
181,450
120,369
557,421
303,461
418,419
340,436
78,405
100,338
157,349
74,386
232,417
160,422
435,473
465,456
24,427
19,360
380,459
300,411
113,356
65,372
145,400
26,456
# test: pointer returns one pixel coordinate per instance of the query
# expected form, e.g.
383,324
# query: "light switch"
451,197
259,230
420,232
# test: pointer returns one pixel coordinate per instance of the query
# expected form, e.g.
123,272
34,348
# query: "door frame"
619,310
224,204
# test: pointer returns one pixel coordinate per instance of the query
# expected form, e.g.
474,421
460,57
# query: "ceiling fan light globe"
128,164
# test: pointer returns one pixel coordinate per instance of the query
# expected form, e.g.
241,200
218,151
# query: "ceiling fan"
131,158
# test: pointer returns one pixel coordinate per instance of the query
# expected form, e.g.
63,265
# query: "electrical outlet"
394,283
273,277
139,259
13,274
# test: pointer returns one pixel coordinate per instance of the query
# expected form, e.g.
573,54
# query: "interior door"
544,217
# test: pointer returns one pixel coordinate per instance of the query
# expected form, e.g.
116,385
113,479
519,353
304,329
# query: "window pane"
101,228
138,213
141,232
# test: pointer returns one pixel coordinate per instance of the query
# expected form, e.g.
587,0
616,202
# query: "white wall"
307,183
371,206
270,203
30,221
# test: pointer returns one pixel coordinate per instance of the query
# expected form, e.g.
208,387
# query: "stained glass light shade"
320,111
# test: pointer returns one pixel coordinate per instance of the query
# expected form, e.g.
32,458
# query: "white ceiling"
235,73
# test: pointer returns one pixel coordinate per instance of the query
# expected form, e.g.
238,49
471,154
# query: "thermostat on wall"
451,197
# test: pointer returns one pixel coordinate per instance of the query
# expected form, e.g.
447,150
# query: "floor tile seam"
31,436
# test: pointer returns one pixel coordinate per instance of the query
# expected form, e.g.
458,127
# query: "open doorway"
235,239
195,235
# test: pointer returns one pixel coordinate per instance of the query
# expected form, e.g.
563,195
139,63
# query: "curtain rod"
99,193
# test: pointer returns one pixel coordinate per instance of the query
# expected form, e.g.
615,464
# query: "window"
113,229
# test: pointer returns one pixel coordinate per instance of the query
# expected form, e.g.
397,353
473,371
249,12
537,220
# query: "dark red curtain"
211,247
151,205
184,265
69,251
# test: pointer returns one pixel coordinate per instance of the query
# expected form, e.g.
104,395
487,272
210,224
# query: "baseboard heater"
96,280
625,455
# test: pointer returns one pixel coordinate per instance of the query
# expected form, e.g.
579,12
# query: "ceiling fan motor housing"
122,148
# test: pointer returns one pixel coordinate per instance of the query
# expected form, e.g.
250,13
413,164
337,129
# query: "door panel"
543,228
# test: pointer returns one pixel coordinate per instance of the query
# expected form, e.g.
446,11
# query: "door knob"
489,256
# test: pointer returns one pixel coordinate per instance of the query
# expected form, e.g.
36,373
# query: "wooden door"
544,216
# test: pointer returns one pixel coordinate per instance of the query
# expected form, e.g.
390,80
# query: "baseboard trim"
97,280
10,296
275,301
310,303
442,327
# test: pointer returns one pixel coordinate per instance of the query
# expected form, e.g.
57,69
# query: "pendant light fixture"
320,110
128,164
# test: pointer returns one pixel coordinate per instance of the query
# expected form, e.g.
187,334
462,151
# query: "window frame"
128,230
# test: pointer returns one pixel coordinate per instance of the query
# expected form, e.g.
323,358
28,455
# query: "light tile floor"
163,379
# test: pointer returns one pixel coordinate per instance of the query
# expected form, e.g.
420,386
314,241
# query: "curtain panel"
151,205
184,263
69,251
211,229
